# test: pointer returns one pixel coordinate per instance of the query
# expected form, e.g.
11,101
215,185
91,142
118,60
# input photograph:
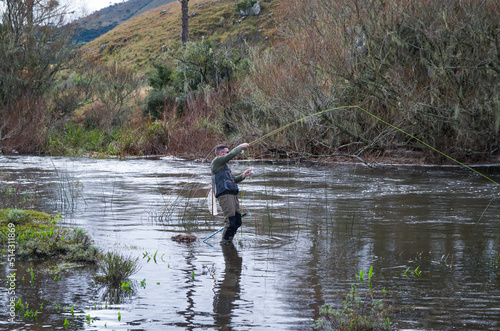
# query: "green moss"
37,236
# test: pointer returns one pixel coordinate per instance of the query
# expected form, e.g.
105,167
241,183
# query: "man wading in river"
226,189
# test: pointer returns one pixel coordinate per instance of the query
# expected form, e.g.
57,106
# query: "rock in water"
184,238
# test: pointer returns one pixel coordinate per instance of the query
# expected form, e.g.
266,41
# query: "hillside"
98,23
141,40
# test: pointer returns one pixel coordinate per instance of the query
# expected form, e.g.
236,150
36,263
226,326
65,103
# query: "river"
430,233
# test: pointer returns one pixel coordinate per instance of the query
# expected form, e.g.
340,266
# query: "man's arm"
244,175
219,162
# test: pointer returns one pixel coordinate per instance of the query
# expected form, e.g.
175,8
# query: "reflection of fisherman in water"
229,288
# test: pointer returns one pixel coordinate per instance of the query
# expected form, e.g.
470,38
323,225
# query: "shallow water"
310,231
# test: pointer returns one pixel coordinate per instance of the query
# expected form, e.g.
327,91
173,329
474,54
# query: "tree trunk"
185,23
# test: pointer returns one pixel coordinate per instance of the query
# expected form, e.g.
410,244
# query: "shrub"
161,77
244,5
158,101
427,67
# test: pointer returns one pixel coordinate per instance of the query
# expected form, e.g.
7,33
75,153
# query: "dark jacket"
223,180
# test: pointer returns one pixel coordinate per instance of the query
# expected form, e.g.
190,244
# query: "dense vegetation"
429,68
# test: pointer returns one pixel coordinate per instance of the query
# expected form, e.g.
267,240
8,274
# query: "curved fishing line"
426,144
396,128
379,119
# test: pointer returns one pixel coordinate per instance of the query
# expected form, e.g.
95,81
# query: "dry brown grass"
197,131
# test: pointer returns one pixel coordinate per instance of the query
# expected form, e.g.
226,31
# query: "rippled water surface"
310,231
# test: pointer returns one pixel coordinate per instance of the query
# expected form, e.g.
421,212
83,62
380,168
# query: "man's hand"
247,173
245,145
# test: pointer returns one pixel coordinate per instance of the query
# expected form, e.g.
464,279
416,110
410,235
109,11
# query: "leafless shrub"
430,68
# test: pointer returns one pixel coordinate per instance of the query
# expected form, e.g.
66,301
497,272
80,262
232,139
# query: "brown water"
310,230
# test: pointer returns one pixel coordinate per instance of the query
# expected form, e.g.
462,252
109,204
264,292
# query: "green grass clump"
356,313
117,268
38,236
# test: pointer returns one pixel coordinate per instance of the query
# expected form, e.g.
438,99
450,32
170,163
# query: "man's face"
224,152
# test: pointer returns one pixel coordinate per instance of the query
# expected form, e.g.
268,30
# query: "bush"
244,5
161,77
427,67
158,101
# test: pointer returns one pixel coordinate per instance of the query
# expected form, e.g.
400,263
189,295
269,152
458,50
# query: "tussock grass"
117,268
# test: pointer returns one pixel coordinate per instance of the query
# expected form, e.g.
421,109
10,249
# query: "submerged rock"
184,238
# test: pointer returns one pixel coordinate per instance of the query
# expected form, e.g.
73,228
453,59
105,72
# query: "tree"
185,23
34,47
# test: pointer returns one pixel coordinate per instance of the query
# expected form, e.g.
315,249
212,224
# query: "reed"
117,268
66,190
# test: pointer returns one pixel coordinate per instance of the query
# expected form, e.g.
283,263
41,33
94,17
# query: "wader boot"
238,221
229,230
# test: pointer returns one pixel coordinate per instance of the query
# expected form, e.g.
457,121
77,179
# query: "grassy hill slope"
143,38
106,19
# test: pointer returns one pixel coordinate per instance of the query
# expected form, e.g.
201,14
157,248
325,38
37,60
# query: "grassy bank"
33,235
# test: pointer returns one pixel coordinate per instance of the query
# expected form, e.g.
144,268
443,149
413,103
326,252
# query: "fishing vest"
224,182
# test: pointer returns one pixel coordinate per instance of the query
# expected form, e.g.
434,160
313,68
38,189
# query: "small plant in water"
415,273
32,273
117,268
126,286
18,306
360,277
358,312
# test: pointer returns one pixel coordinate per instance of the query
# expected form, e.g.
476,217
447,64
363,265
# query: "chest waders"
226,191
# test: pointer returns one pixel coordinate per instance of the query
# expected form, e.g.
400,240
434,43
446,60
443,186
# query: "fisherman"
226,189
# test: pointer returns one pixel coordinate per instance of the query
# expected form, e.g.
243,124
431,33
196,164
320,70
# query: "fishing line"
392,126
377,118
479,220
262,138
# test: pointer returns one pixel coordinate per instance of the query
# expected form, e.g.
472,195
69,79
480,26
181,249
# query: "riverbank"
33,235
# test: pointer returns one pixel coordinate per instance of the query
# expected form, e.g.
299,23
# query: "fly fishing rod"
284,127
